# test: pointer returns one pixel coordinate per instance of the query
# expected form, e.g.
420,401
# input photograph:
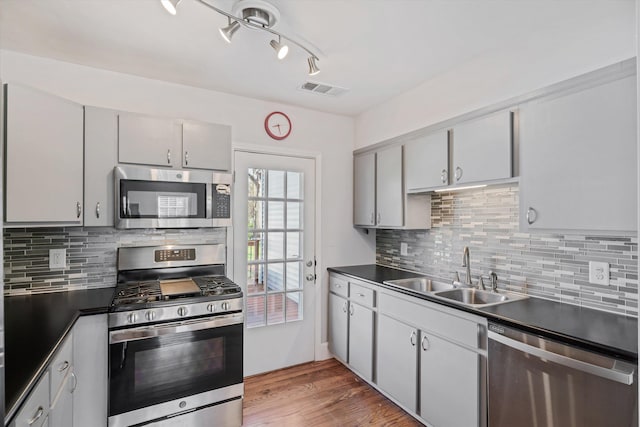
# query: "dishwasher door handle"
621,373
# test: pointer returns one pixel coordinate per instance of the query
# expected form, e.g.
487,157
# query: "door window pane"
256,213
257,182
275,277
294,248
294,306
255,279
294,210
255,247
276,215
275,309
276,185
294,185
294,275
256,311
275,246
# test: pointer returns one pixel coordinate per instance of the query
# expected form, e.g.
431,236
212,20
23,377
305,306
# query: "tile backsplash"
551,266
91,254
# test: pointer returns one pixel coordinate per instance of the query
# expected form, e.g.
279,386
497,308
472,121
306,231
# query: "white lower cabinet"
338,326
449,383
61,411
35,409
361,340
397,361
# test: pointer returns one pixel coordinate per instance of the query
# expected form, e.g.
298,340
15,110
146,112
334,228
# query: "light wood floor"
317,394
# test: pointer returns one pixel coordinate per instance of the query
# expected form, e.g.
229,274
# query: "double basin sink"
471,297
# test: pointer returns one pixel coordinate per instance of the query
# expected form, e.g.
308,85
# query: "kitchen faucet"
466,262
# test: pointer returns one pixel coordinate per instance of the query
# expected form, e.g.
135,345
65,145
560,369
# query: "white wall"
313,132
599,34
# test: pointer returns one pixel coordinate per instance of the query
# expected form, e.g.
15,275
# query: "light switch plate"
404,248
57,259
599,273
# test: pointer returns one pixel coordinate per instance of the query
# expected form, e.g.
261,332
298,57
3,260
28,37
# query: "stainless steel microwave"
170,198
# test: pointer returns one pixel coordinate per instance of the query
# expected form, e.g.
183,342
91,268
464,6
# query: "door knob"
309,263
310,277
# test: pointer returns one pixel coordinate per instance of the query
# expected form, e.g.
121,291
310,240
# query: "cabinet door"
44,170
149,140
397,364
578,160
426,162
449,383
364,189
361,340
389,194
35,409
482,149
61,412
90,350
100,157
206,146
338,326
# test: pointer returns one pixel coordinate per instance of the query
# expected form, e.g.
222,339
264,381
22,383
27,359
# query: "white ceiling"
375,48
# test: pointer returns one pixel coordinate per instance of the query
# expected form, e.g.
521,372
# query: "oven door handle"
145,332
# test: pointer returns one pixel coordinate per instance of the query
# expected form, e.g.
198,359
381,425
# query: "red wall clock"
277,125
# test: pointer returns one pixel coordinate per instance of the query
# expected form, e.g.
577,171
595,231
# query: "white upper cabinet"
206,146
364,189
149,140
482,149
578,160
44,158
100,157
427,162
389,194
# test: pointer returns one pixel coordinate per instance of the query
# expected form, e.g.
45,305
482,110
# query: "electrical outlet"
599,273
57,259
404,248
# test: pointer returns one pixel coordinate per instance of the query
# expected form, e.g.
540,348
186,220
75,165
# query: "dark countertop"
609,333
34,327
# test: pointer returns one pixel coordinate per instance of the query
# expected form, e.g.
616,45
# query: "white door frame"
321,350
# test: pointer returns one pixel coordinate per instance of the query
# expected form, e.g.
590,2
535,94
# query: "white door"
273,237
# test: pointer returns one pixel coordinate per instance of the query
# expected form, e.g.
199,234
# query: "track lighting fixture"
228,31
281,49
171,5
254,15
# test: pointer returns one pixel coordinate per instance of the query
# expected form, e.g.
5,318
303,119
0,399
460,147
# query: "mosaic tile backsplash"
91,254
551,266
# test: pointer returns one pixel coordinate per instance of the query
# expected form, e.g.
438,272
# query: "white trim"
320,349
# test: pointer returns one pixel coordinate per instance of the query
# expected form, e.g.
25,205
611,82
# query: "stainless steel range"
175,339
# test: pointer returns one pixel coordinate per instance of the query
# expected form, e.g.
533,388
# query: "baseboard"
322,352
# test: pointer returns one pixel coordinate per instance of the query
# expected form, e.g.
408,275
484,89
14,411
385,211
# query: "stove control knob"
225,306
182,311
211,308
151,315
132,317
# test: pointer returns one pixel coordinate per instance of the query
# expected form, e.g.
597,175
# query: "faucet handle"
481,284
494,280
456,277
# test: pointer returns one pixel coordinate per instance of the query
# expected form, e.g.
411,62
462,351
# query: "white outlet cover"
404,248
57,259
599,273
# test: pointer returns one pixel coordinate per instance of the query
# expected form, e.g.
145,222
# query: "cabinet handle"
379,217
412,338
443,176
338,285
169,157
532,215
78,209
37,416
425,343
458,173
344,307
360,295
98,210
351,309
186,158
75,382
373,219
63,367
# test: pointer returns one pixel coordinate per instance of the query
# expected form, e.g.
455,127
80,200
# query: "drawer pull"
351,309
338,285
75,382
425,343
37,416
361,295
412,338
63,367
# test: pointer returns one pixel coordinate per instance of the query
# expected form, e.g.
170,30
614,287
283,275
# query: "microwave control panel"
221,201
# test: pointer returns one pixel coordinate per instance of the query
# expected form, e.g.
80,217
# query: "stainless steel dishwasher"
537,382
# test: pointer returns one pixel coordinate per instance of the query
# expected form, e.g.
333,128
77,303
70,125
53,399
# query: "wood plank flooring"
318,394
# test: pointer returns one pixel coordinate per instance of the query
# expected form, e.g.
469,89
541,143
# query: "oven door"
152,365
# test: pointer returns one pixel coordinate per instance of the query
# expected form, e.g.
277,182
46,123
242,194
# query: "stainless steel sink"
477,297
420,284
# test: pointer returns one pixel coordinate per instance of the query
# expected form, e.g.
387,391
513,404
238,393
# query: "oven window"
157,199
156,370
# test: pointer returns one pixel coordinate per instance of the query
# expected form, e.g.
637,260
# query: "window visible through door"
274,247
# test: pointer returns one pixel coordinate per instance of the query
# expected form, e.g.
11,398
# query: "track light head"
171,5
228,31
313,67
281,49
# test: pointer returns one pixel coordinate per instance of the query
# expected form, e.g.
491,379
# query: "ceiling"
376,49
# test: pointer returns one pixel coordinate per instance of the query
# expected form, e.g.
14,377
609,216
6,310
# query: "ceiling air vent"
323,89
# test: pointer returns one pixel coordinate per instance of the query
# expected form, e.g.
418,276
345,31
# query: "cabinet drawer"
361,295
36,408
339,285
446,325
61,364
